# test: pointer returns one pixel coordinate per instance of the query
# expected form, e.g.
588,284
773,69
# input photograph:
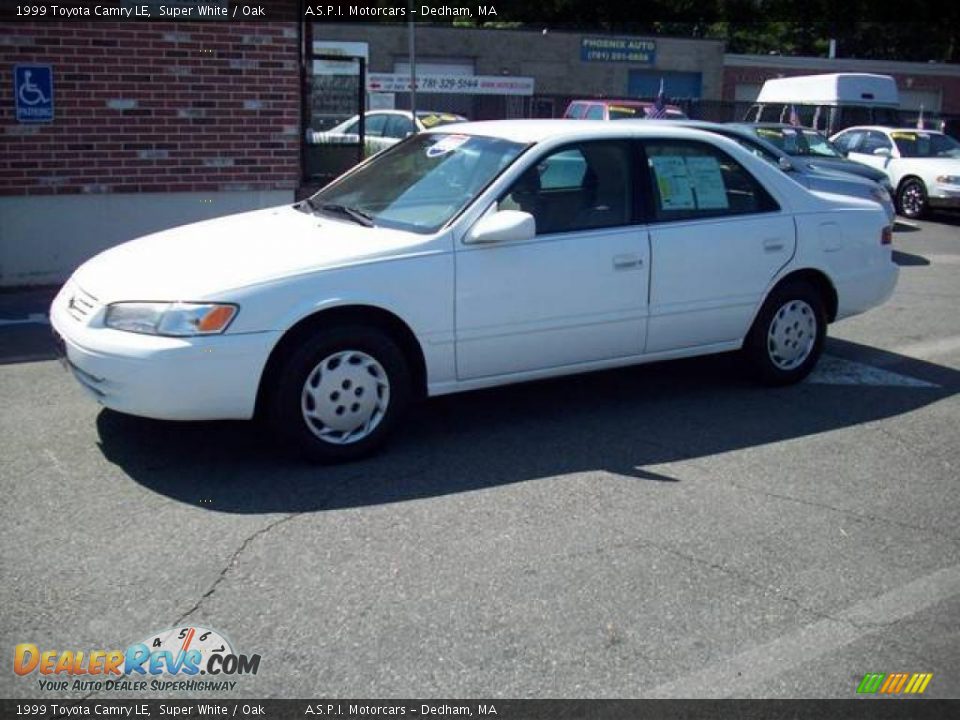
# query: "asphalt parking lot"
664,531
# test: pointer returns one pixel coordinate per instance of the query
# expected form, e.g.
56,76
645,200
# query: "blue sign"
33,91
618,49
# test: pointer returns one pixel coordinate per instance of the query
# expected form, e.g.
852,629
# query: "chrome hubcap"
912,199
345,397
792,334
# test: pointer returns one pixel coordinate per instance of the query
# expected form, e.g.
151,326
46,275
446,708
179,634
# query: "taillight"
886,236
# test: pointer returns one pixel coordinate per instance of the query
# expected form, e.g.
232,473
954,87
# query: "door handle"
625,262
773,244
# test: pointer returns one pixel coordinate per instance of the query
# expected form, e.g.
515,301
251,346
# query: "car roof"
774,125
613,101
889,129
533,131
628,103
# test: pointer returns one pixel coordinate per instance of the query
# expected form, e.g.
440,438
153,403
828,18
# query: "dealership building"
118,129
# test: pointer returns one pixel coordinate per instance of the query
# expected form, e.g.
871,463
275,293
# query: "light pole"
412,51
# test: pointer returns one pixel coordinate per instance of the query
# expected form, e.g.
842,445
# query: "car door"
577,292
717,238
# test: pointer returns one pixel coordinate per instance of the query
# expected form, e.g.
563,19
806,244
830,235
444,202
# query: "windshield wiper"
307,205
358,216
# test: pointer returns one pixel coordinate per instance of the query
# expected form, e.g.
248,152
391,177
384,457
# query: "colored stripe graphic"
894,683
871,682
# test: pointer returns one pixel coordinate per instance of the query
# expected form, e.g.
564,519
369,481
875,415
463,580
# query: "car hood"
843,165
206,259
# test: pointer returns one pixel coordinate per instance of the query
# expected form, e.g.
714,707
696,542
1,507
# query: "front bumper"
201,378
944,196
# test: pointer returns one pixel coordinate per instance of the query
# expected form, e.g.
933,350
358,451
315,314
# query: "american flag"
659,109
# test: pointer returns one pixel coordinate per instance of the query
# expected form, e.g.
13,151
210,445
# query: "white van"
829,102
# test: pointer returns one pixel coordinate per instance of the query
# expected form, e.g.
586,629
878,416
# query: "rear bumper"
863,291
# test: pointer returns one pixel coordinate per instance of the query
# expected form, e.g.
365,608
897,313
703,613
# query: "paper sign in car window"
673,182
903,136
446,144
429,120
707,181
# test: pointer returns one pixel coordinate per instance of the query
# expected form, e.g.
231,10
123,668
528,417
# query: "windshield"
420,183
799,141
925,145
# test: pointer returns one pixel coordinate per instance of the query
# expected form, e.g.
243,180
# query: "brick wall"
154,107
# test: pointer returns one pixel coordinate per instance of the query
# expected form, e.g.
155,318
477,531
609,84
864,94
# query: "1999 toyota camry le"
468,257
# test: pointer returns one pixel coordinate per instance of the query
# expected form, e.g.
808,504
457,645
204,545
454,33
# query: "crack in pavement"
221,576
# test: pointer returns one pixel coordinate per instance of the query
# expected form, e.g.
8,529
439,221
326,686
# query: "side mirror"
785,164
882,152
502,226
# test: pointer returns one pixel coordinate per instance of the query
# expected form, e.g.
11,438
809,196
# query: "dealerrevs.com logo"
174,659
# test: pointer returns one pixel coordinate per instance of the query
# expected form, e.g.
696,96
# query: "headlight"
948,179
178,319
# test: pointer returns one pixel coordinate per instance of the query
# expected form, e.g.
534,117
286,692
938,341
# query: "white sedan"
923,165
382,128
488,254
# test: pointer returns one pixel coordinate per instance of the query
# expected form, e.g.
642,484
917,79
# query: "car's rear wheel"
787,337
338,396
912,198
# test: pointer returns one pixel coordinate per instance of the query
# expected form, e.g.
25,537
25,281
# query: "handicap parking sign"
33,89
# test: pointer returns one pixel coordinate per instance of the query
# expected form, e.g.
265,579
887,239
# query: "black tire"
912,199
801,302
290,400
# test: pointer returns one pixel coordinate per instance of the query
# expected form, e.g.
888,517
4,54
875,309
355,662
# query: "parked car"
470,257
811,149
811,172
923,165
383,128
831,101
616,110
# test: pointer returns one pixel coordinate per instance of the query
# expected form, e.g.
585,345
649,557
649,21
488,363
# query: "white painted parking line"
31,319
736,676
833,370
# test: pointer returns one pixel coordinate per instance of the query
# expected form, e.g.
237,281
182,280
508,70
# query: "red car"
616,110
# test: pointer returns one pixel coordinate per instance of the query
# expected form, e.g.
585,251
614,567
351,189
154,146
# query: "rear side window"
692,180
574,111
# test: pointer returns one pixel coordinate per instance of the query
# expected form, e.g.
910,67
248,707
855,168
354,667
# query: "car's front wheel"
912,198
787,337
338,395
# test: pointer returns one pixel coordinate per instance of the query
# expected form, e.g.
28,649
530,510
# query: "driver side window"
584,186
874,141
